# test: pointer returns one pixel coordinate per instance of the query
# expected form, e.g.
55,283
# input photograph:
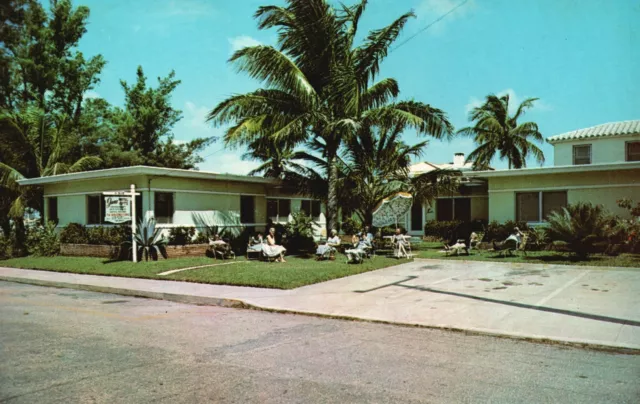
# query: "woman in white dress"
324,250
271,249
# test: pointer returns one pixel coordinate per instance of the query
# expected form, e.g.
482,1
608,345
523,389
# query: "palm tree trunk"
332,197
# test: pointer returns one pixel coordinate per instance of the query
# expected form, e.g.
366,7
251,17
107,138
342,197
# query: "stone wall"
108,251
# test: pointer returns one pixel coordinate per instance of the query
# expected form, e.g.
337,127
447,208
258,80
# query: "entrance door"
416,217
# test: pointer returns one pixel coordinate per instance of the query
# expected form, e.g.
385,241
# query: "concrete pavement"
579,305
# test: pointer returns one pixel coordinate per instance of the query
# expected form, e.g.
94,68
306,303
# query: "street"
70,346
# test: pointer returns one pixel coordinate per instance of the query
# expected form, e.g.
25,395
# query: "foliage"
150,241
299,233
43,240
6,246
627,203
201,238
389,230
441,229
538,238
580,225
495,131
351,226
75,233
181,235
319,89
499,232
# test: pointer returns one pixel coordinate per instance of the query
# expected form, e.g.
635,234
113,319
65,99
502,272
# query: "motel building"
600,165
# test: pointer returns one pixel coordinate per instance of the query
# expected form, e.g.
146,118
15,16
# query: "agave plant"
150,241
580,226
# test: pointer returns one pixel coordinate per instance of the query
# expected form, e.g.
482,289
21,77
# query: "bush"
74,233
181,235
580,226
43,240
299,233
351,226
499,232
201,238
389,230
443,230
6,246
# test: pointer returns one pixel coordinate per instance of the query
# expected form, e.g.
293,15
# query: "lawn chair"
254,251
505,247
407,249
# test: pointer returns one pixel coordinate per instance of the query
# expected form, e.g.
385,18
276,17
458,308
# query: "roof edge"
631,165
144,170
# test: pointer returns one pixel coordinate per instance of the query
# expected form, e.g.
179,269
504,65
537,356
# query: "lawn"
432,250
296,272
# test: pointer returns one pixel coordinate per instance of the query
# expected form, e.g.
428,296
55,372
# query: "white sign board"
117,209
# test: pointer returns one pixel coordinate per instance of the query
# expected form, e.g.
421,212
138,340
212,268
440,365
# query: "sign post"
120,207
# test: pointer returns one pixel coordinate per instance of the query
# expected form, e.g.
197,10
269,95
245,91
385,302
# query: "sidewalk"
579,305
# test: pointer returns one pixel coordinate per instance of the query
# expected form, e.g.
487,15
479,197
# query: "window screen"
164,207
633,151
53,209
315,208
553,201
284,208
582,154
528,207
95,209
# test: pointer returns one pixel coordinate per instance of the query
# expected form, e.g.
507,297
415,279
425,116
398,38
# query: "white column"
133,223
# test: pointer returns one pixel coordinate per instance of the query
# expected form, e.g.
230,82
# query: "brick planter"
89,250
109,251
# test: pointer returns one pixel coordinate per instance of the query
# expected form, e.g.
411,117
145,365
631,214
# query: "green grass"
432,250
296,272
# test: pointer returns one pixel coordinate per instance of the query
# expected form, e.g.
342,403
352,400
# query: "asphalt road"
67,346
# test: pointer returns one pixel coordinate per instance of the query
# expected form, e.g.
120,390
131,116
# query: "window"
311,208
582,154
536,206
247,209
53,209
95,209
164,207
453,209
272,208
633,151
416,217
284,208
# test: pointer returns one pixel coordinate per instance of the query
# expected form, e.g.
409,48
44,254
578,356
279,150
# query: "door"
247,209
416,217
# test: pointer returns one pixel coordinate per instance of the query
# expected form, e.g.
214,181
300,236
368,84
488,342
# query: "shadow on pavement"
589,316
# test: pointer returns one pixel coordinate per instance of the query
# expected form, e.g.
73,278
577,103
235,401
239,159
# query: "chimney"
458,160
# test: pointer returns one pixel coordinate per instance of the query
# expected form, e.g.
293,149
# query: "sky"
580,57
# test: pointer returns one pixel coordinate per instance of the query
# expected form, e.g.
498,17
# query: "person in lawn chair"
327,250
361,248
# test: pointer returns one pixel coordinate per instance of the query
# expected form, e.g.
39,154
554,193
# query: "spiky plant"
580,226
150,241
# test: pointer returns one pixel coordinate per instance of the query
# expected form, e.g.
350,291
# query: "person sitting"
359,249
400,243
219,246
329,248
255,244
273,250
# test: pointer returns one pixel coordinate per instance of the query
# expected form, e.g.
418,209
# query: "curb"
239,304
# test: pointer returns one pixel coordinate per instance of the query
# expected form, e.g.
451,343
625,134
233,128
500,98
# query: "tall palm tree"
31,145
495,131
318,85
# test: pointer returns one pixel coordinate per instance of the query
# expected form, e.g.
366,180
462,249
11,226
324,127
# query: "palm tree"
318,85
31,145
496,131
376,165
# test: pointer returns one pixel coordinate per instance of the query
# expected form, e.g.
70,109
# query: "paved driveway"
578,304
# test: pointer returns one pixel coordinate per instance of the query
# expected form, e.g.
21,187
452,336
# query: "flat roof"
145,170
632,165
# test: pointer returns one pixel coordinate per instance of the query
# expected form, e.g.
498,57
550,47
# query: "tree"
32,144
318,85
495,131
141,132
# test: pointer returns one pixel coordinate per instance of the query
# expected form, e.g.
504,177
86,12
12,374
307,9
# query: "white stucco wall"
603,150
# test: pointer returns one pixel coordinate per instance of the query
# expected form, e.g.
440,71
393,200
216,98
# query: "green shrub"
74,233
443,230
239,242
201,238
351,226
580,226
388,230
150,241
299,233
499,232
181,235
6,246
43,240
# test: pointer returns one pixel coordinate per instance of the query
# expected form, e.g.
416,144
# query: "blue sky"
580,57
